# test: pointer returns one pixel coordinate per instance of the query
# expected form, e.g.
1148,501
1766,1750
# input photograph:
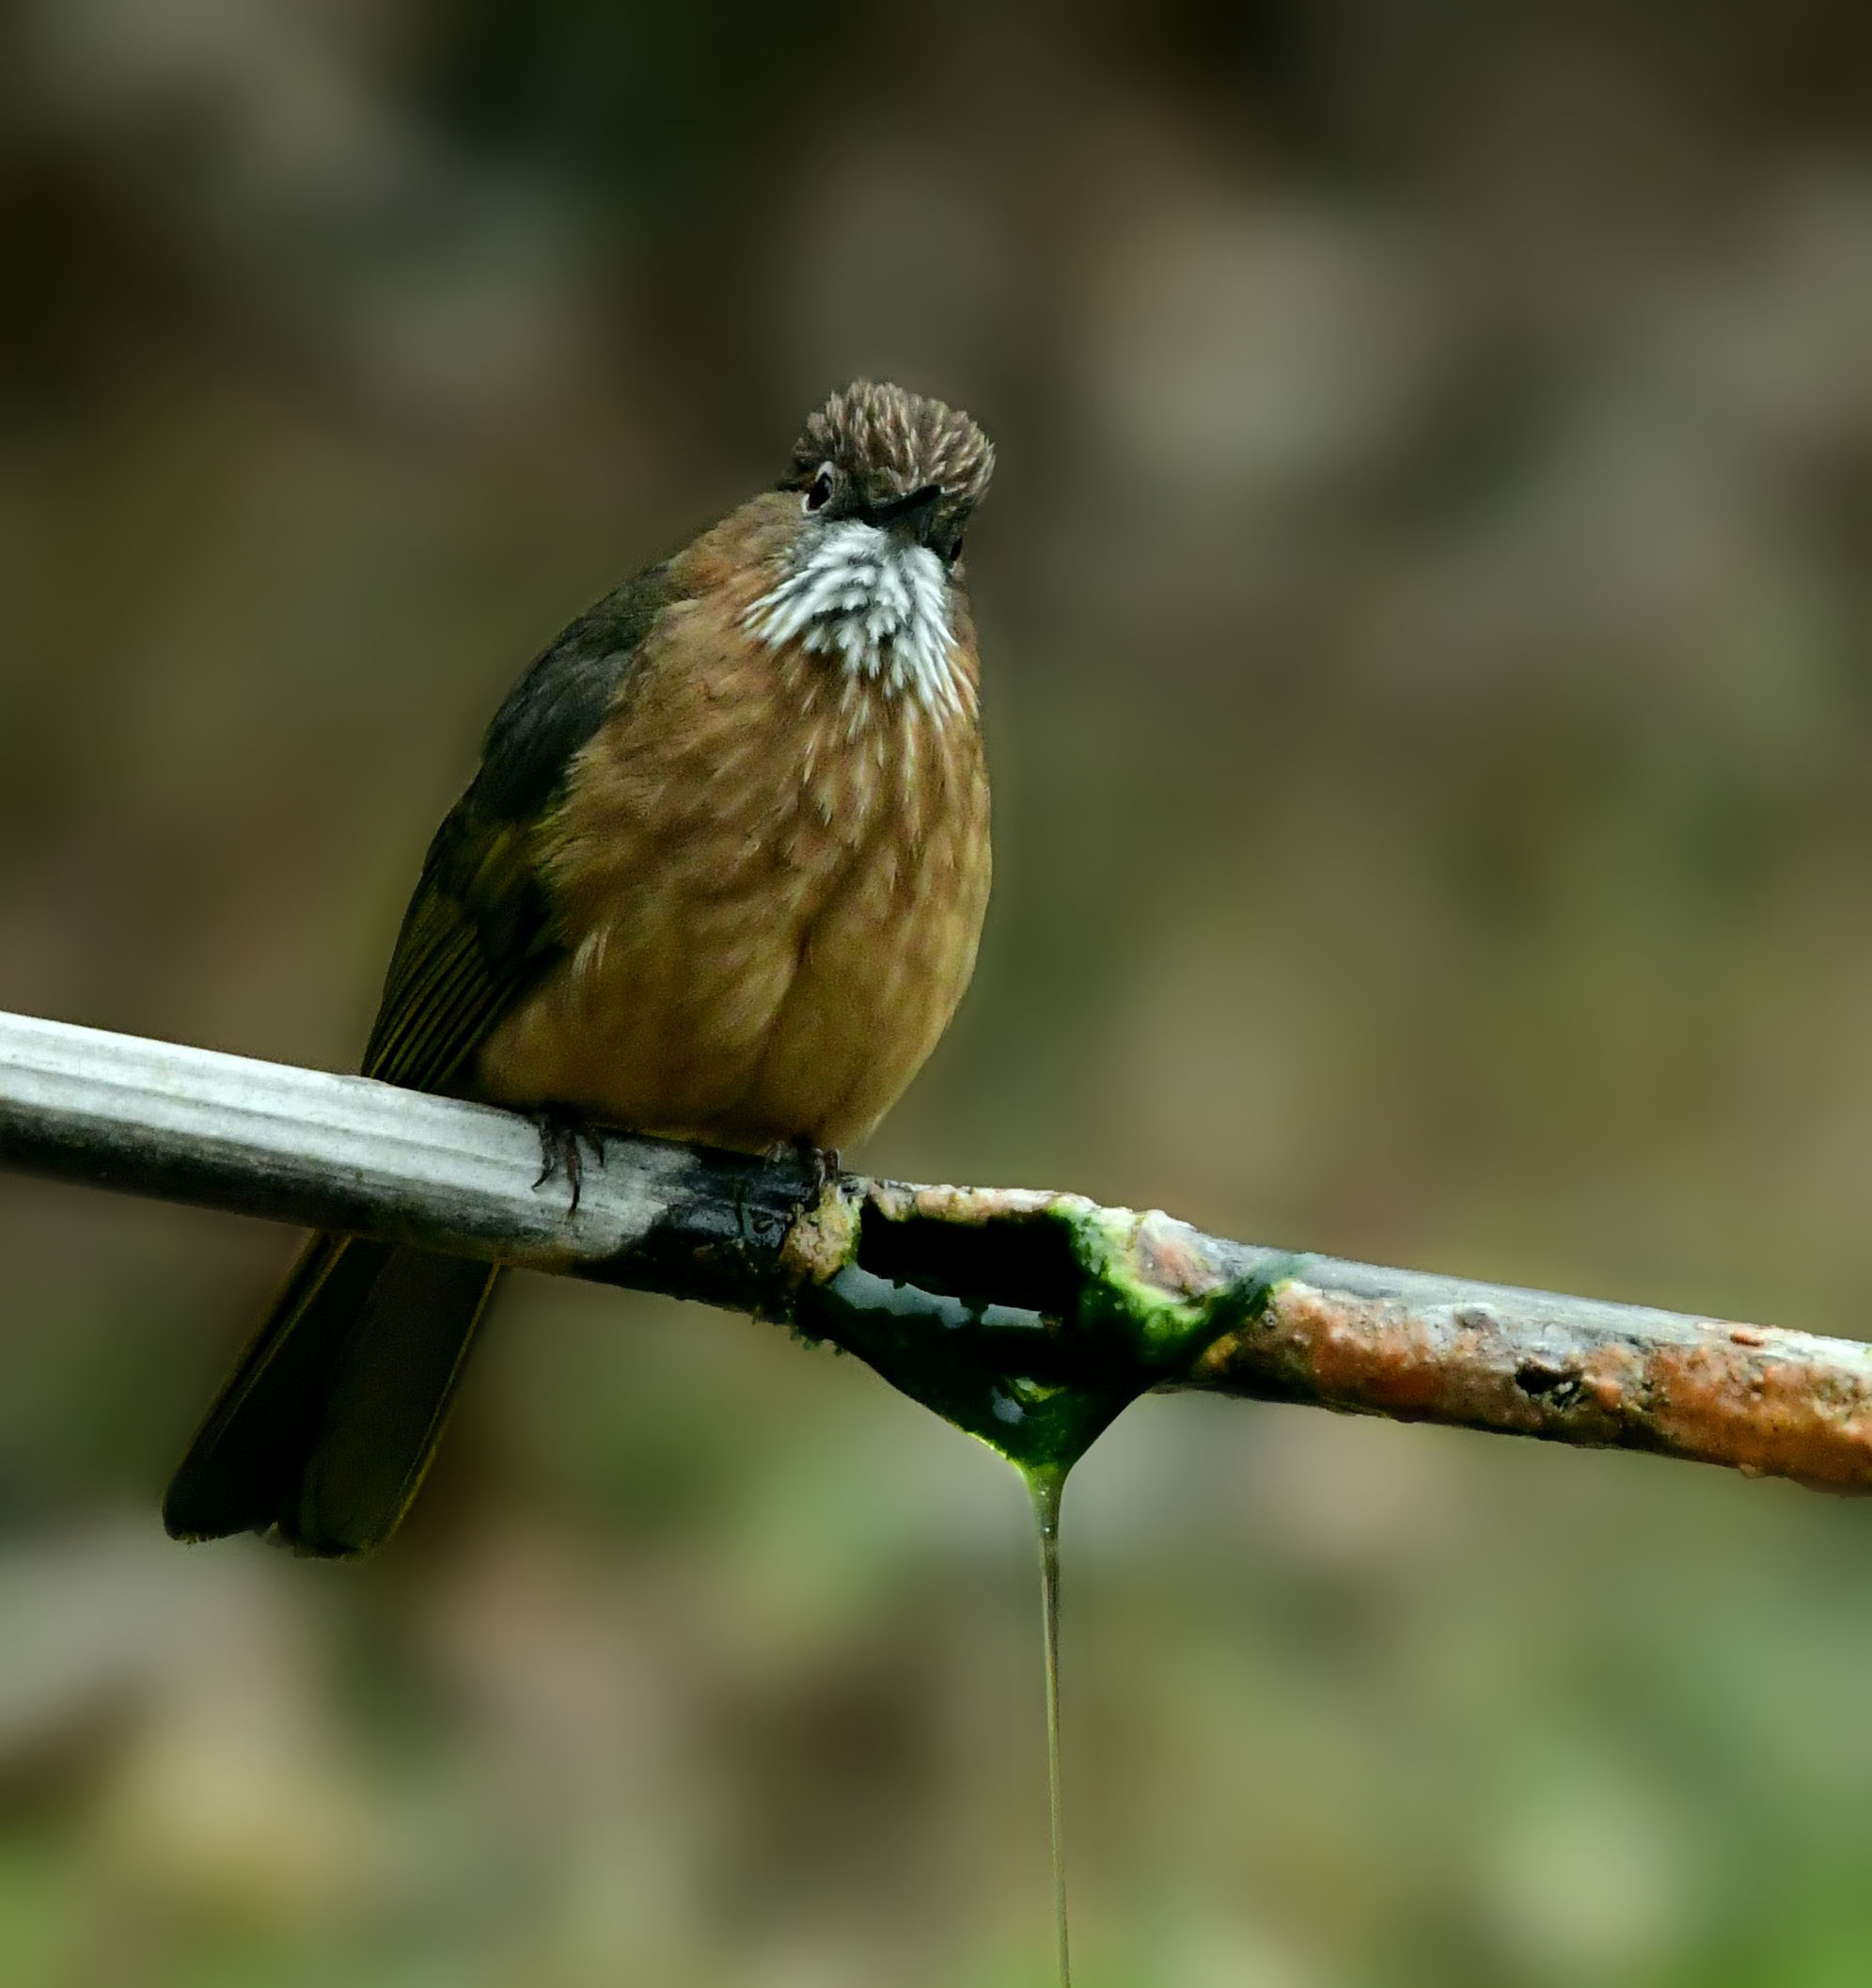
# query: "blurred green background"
1425,601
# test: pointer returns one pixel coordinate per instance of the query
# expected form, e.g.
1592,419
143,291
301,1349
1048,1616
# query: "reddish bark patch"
1758,1400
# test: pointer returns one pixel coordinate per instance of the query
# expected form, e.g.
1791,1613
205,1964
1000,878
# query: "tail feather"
322,1433
388,1401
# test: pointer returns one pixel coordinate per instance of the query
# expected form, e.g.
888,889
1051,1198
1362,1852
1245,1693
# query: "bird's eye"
820,495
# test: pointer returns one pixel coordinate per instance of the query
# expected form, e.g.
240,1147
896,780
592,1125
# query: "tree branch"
1028,1318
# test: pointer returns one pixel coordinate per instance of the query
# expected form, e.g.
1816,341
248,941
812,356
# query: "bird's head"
895,460
885,482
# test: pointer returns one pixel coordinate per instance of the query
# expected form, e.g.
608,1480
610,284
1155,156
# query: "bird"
719,876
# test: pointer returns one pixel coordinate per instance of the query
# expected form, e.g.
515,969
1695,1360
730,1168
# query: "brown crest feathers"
889,443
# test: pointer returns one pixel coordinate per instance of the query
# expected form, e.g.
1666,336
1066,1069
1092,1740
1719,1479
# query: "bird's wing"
479,930
455,973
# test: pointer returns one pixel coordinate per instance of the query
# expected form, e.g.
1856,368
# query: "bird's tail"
322,1432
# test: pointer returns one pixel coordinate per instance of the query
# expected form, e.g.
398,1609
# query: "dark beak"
914,511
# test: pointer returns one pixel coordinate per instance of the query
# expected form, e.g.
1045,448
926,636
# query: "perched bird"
719,876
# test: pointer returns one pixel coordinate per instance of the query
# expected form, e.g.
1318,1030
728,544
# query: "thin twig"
1047,1288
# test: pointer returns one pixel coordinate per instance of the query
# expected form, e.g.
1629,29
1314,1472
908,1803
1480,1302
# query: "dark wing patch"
480,929
561,701
464,956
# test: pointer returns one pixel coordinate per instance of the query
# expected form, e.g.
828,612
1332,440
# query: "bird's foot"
565,1138
820,1162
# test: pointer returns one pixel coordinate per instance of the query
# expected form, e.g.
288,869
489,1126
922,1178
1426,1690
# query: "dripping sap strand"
1046,1486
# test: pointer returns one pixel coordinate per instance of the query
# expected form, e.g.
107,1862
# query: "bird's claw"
820,1162
564,1138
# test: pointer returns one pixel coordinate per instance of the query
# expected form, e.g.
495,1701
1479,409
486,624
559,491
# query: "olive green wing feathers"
477,934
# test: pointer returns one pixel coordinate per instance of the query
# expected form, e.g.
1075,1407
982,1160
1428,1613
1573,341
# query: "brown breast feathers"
771,874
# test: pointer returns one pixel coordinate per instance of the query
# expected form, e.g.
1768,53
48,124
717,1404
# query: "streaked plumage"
719,876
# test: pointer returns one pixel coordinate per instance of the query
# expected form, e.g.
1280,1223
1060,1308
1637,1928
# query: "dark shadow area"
1024,1263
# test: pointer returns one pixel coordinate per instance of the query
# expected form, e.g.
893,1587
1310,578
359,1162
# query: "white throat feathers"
875,601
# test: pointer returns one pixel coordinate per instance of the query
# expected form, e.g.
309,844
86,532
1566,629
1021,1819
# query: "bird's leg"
565,1135
820,1162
